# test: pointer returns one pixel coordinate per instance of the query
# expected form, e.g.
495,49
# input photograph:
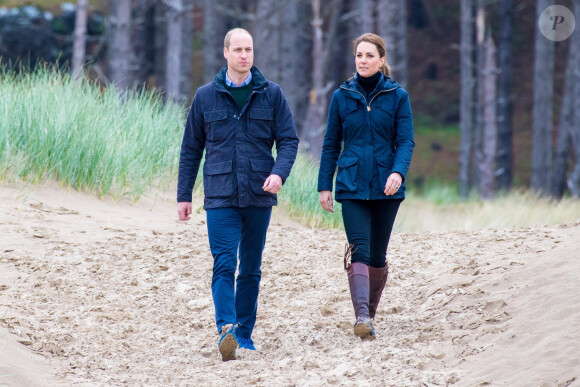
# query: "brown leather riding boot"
358,280
377,282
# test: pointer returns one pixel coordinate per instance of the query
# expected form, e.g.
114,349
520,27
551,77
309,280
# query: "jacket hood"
385,83
257,77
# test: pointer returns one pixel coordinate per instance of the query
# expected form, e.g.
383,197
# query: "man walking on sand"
237,118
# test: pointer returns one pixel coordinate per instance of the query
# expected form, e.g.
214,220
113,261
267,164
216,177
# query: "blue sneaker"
228,343
246,343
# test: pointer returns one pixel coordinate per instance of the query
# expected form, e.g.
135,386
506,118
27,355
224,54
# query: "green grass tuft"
55,128
299,197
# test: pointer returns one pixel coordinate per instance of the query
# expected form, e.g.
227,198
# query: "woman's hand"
393,183
325,200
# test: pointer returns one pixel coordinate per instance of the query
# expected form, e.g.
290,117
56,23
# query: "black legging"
368,225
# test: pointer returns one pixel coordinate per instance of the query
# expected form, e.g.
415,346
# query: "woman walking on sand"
370,119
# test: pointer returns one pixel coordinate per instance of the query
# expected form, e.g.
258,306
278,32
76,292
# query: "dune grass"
299,197
55,129
517,209
439,208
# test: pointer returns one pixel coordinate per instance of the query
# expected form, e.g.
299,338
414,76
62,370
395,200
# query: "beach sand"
100,293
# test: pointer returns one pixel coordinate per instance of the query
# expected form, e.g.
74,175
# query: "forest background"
523,132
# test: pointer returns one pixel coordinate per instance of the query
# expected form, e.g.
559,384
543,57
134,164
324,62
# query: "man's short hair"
231,32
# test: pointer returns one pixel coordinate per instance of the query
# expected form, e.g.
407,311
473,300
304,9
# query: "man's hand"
184,210
325,200
273,184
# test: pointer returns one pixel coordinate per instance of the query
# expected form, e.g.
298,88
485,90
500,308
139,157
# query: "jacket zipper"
369,104
382,91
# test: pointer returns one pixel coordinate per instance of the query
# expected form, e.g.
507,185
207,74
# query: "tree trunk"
543,95
173,72
160,45
267,38
480,25
338,50
400,67
282,57
314,122
574,181
362,20
187,49
178,49
187,33
505,99
143,33
392,26
295,56
564,131
489,119
467,96
215,28
78,59
120,44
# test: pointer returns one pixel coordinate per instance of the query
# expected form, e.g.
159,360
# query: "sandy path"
114,294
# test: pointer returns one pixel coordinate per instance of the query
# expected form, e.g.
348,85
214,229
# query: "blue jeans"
232,230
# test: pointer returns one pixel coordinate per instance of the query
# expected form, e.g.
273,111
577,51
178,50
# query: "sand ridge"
120,293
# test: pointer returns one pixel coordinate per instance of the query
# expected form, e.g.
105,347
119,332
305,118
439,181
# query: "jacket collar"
259,81
385,83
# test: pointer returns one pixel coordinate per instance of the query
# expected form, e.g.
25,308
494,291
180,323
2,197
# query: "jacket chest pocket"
216,127
218,179
261,121
350,105
385,118
346,177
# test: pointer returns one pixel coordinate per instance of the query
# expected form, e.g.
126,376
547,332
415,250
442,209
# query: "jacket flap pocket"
215,115
386,106
262,165
217,168
385,161
351,105
262,113
345,162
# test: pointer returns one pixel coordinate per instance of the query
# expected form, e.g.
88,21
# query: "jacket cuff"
324,187
279,173
184,198
400,173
